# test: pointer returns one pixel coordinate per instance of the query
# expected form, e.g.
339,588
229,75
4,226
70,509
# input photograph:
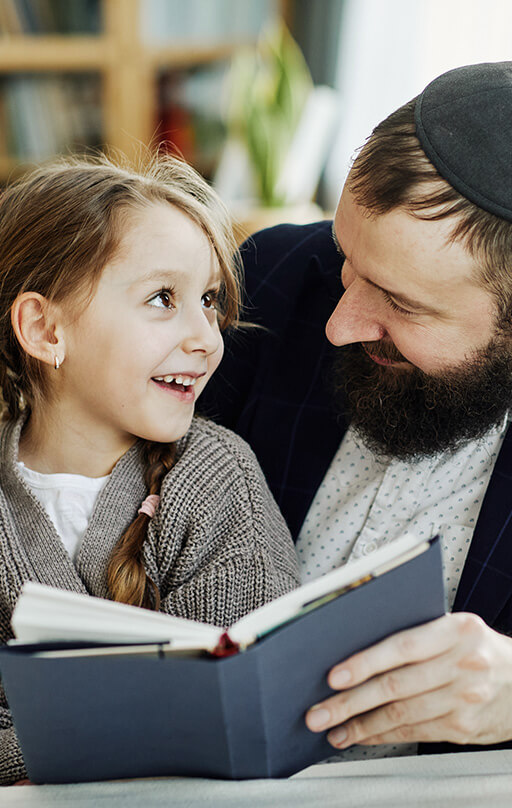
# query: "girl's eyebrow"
169,276
159,275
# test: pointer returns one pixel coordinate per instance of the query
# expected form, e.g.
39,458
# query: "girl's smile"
180,385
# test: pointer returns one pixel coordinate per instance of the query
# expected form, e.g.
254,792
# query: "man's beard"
408,414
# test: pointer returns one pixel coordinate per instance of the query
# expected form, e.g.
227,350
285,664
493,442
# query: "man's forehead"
413,259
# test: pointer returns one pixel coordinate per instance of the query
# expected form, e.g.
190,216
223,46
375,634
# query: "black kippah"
464,124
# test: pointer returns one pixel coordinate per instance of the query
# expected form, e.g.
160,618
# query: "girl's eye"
210,299
162,299
391,303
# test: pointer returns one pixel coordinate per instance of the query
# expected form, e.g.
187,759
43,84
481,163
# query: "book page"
287,607
143,650
46,614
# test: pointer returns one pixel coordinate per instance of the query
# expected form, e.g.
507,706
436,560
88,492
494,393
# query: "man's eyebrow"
408,302
336,242
403,300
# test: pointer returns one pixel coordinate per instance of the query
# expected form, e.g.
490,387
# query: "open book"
92,699
44,614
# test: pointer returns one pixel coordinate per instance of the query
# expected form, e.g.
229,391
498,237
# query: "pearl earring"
56,363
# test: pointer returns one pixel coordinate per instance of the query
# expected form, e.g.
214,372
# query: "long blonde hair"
59,226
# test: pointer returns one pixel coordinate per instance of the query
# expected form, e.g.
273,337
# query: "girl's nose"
201,332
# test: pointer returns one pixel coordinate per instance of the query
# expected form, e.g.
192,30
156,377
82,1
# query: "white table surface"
462,780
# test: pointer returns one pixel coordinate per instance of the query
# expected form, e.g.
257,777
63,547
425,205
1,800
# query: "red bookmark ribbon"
225,647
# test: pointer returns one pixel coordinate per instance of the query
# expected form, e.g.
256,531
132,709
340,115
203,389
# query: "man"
400,422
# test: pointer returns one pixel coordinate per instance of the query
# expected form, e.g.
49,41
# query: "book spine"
244,719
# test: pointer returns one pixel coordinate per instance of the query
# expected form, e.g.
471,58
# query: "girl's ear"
37,327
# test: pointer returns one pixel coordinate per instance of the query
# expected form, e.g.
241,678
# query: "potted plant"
268,91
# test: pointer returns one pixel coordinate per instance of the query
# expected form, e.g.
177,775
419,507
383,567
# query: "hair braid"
128,581
12,399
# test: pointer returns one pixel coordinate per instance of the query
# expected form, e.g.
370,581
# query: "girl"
114,288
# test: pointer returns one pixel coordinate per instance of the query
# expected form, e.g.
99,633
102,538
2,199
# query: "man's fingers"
455,682
411,662
404,648
402,720
426,732
389,687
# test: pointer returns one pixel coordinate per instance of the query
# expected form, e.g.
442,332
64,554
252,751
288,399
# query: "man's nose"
357,317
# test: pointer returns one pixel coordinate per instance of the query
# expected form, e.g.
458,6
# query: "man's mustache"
383,350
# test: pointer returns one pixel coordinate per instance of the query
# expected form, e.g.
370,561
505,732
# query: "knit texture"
217,547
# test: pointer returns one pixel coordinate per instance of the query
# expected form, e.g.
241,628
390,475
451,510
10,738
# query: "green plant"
269,86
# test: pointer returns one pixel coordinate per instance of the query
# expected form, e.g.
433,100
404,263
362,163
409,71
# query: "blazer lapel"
304,438
486,581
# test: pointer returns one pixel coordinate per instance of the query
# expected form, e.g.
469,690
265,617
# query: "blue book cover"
85,718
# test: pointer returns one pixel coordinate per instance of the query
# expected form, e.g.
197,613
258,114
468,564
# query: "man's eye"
162,299
396,307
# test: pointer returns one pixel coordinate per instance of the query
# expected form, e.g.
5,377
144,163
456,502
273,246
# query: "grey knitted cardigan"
217,546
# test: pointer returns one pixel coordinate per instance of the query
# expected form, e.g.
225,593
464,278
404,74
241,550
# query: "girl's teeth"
186,381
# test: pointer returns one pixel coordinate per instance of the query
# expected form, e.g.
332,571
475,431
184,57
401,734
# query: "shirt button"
370,548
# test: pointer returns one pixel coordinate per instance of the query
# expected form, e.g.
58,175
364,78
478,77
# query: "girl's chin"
169,431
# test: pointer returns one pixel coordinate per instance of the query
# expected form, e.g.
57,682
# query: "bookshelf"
127,65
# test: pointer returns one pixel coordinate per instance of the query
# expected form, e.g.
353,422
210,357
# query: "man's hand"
448,680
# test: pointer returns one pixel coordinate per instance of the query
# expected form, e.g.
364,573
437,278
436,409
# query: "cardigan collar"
33,532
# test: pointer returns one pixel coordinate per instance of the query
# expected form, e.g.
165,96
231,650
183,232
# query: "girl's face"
144,348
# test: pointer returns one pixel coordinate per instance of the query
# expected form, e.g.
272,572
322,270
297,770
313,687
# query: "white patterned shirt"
365,502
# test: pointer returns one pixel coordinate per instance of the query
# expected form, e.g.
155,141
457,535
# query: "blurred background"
269,99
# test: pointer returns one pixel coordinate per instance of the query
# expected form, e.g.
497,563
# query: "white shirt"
365,502
69,501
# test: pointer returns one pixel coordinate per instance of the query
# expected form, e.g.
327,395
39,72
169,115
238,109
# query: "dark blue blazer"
273,389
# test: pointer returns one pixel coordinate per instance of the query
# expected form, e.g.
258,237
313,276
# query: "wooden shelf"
83,53
51,53
128,67
185,56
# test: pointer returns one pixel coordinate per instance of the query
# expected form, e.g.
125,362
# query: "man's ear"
37,327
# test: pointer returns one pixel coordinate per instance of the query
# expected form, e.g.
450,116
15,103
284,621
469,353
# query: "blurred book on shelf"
49,17
189,119
115,74
44,115
205,21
